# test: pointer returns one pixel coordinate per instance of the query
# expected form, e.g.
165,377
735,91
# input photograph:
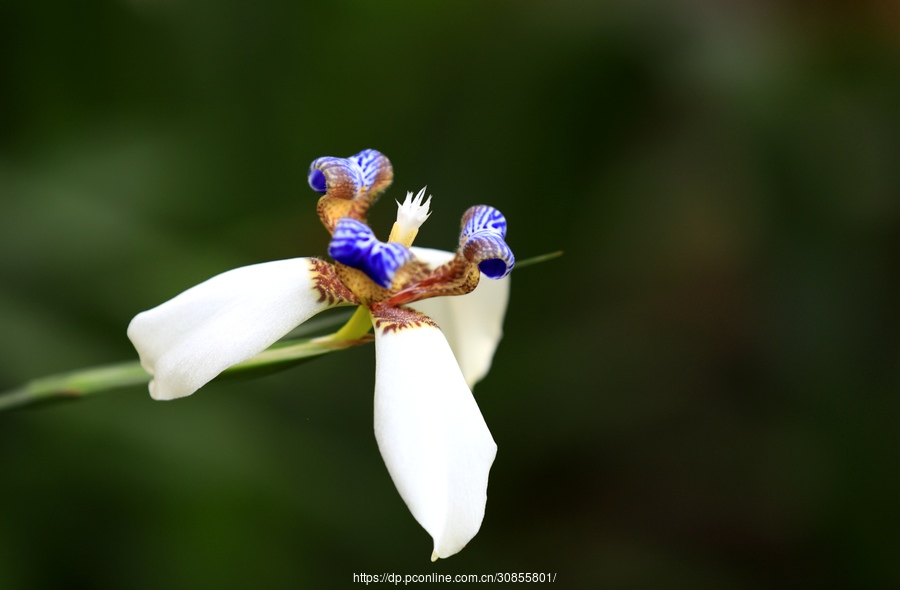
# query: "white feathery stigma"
411,214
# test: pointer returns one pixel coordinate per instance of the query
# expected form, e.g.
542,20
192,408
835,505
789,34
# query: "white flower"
434,441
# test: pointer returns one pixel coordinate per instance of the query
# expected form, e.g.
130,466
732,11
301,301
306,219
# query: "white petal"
188,340
431,434
472,323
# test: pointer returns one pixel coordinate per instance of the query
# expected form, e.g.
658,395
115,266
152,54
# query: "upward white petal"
472,323
188,340
431,434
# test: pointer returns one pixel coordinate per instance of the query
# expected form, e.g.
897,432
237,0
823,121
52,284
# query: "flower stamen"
411,214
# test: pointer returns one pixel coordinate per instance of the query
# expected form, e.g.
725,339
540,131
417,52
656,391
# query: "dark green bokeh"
702,393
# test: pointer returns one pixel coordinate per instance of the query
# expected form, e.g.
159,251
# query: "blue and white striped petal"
483,218
482,241
358,173
354,245
369,163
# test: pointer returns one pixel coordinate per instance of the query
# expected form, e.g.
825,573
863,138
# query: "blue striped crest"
356,246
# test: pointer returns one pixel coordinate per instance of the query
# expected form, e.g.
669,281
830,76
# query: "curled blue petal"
488,249
317,181
482,241
483,218
369,163
354,245
349,176
341,175
495,268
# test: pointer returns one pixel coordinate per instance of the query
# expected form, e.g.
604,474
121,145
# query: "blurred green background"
702,393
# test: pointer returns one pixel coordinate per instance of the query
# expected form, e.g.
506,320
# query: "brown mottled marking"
382,180
336,203
409,274
329,285
393,319
457,277
344,198
369,292
358,282
332,209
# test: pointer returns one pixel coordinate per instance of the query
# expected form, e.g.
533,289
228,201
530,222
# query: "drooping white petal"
434,441
188,340
472,323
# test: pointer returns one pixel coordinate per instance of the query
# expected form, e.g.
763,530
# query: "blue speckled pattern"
354,245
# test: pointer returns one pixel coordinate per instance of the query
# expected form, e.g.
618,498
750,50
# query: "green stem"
356,327
538,259
85,382
74,385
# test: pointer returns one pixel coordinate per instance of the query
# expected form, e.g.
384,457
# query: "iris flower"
430,432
